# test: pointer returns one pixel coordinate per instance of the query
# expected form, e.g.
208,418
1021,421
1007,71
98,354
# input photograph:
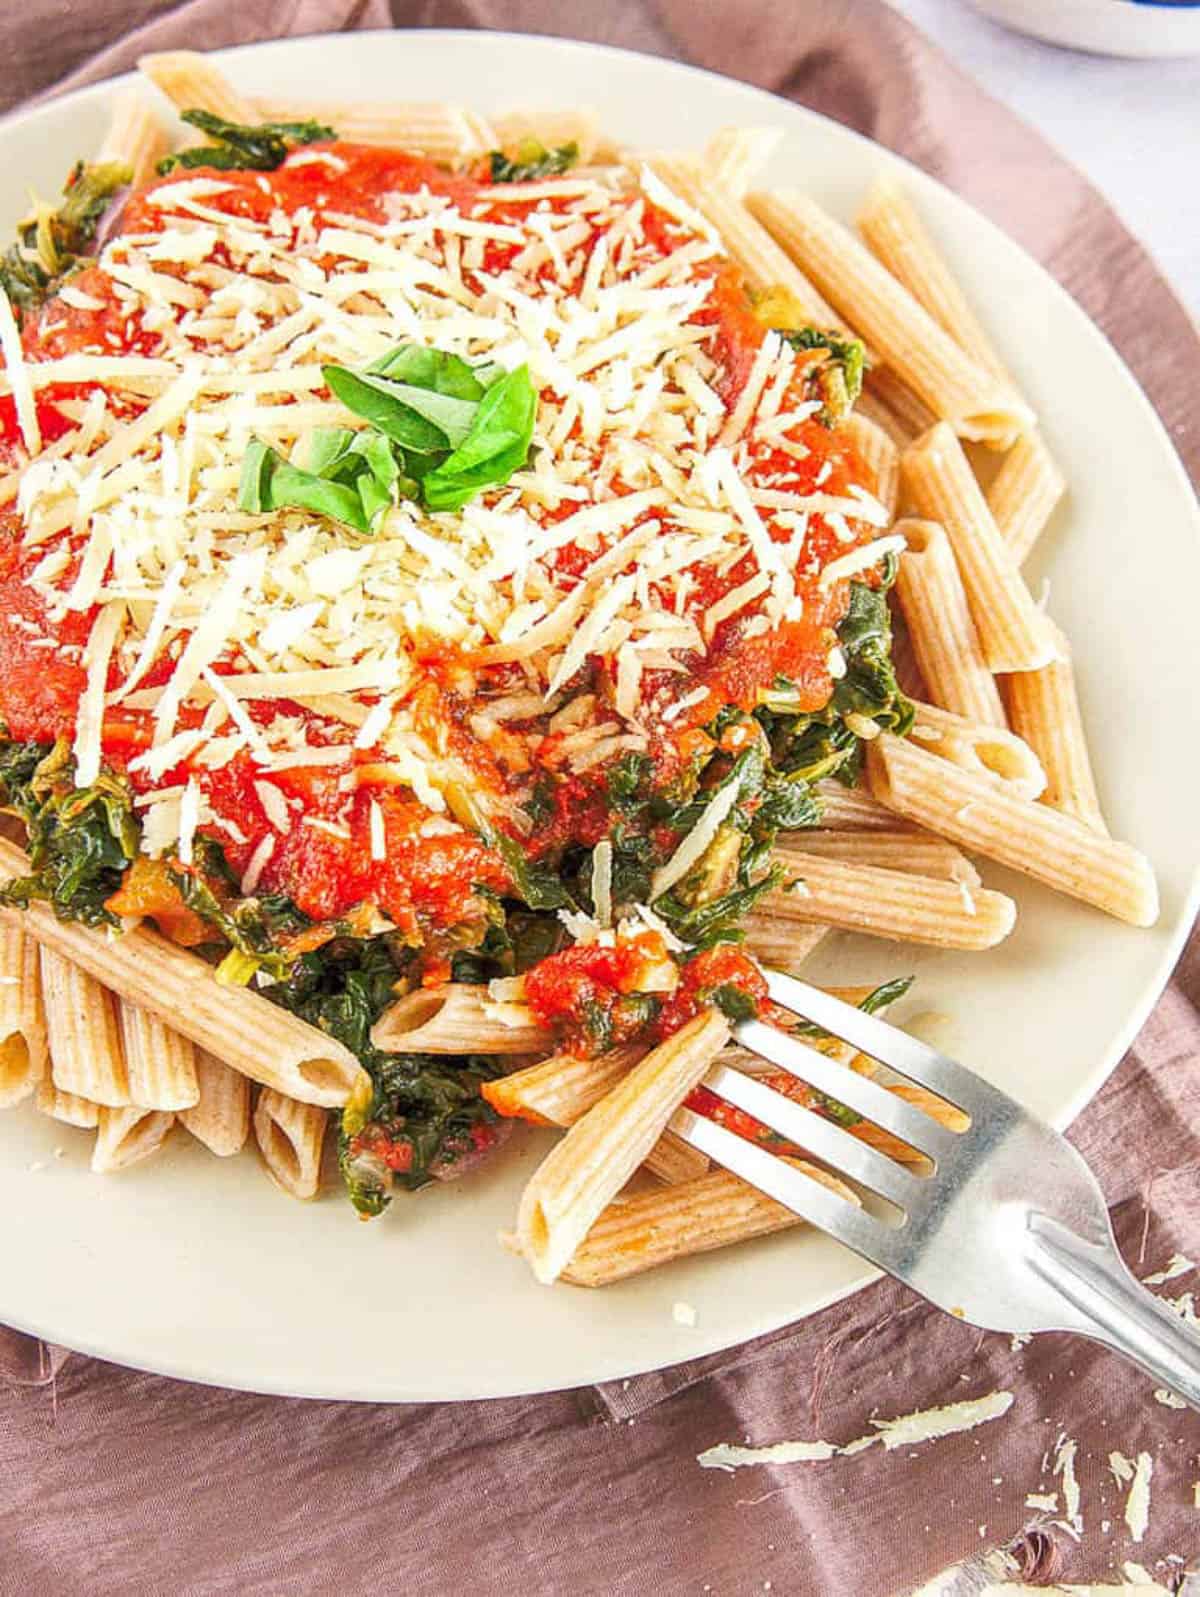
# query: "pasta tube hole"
14,1062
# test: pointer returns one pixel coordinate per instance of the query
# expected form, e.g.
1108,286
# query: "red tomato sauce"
324,861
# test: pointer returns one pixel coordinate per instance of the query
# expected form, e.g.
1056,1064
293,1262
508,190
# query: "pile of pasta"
130,1035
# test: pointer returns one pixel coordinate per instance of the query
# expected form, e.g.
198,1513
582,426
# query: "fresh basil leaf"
328,449
432,369
254,490
532,159
496,446
271,483
416,418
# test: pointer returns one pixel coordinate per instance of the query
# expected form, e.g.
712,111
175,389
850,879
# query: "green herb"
626,780
869,687
839,1113
50,242
531,159
257,149
889,992
254,928
838,379
438,431
80,840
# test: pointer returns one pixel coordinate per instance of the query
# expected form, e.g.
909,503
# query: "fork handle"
1121,1312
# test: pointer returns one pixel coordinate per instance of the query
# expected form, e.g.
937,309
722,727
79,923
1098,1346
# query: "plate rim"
1154,983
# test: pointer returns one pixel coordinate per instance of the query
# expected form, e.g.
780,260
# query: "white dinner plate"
201,1269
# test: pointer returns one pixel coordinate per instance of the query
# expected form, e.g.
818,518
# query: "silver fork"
1009,1229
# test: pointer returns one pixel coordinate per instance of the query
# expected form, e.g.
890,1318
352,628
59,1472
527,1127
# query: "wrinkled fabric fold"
115,1481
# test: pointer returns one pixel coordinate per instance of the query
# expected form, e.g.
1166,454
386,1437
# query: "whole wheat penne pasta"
192,81
290,1137
82,1032
893,904
878,454
654,1227
1043,707
161,1063
220,1117
919,853
602,1150
946,1114
784,946
446,133
66,1106
852,808
552,128
899,331
873,407
458,1019
940,625
909,677
136,138
735,155
126,1136
239,1026
989,818
1024,493
24,1056
883,387
672,1160
766,265
896,236
558,1090
977,746
937,477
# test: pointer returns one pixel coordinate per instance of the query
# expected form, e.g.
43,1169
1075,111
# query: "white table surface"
1132,126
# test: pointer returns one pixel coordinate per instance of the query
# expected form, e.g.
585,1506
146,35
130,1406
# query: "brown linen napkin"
112,1481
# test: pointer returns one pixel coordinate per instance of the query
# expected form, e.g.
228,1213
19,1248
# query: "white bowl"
1144,28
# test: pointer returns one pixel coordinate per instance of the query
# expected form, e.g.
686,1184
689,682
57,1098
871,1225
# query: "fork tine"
819,1137
796,1191
857,1092
904,1054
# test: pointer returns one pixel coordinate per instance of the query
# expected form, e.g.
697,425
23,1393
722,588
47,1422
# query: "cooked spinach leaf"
261,148
50,242
838,379
531,159
80,840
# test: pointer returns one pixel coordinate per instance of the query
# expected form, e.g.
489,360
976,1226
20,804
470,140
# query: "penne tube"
987,817
919,853
899,331
591,1164
126,1136
765,265
896,236
654,1227
783,945
909,413
161,1064
991,751
887,903
445,133
192,82
66,1106
1024,493
852,808
673,1161
909,676
82,1032
558,1090
239,1026
735,155
136,138
1013,633
940,626
458,1019
879,455
220,1117
1043,707
24,1055
290,1138
870,405
551,128
886,1142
